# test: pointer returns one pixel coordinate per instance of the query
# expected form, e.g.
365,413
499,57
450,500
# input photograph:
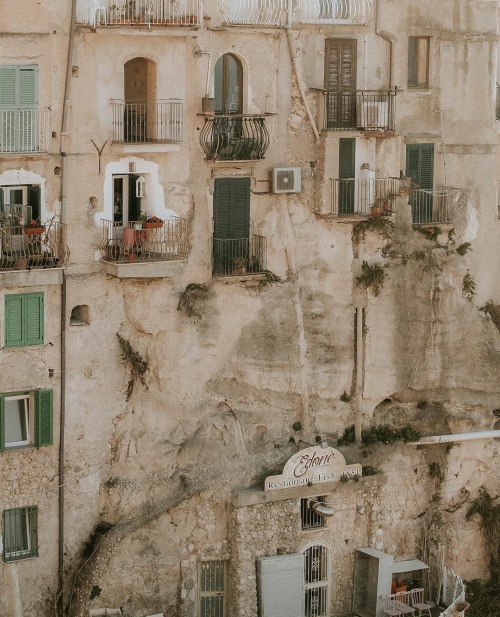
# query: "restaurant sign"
314,465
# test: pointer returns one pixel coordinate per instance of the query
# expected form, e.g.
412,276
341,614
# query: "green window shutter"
420,164
34,314
222,208
2,423
28,77
34,198
43,420
240,207
8,86
412,61
347,150
14,320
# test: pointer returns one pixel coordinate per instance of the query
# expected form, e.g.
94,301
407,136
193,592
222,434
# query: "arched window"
139,109
228,80
317,580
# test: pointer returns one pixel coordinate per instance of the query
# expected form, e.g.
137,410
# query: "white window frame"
7,191
28,416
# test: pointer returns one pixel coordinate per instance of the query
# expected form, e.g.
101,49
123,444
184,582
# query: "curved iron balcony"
234,138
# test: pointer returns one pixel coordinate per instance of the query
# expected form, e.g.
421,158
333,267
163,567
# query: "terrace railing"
22,248
276,13
364,110
234,138
370,196
138,241
452,593
239,256
430,206
24,130
159,121
139,12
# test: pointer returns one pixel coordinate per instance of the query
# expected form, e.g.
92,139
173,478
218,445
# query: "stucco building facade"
264,223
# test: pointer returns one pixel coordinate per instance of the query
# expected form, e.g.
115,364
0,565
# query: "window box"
152,225
32,231
26,419
20,533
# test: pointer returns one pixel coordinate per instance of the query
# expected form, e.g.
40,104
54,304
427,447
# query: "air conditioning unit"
286,180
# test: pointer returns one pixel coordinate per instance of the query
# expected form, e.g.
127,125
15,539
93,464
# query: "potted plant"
152,222
459,608
239,265
34,228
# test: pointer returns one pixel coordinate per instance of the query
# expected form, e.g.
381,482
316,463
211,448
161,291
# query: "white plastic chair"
389,607
98,9
417,601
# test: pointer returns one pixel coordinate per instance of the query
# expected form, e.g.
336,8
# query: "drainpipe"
299,84
456,437
60,570
390,40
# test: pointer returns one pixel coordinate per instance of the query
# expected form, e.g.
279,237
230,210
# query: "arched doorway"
140,98
228,85
317,566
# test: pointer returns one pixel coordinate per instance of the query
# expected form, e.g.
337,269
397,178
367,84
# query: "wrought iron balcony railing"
365,110
139,12
431,206
276,13
370,196
23,248
138,241
234,138
239,256
140,122
24,130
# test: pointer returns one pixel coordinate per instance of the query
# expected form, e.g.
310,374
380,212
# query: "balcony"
429,207
234,138
139,13
140,242
363,197
24,130
147,122
365,110
239,256
278,13
22,248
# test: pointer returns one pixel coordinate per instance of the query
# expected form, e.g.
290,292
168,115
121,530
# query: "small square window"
20,533
311,519
418,61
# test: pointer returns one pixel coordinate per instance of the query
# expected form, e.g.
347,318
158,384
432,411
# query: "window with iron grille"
26,419
20,533
309,517
212,588
317,580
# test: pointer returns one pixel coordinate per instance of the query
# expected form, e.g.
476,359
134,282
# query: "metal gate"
317,580
212,576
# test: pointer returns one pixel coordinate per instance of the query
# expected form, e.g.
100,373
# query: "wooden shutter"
231,208
412,61
340,65
27,89
420,164
8,86
347,172
34,199
34,318
2,422
14,320
43,420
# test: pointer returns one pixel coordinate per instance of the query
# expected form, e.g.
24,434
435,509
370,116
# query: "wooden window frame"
419,50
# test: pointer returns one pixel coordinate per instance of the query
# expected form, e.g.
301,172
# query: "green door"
347,171
231,224
420,168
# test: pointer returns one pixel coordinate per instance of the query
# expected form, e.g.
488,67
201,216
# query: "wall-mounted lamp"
140,187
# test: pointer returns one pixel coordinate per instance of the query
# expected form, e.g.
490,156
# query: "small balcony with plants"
280,13
363,110
150,13
27,244
363,197
234,137
143,247
239,256
431,206
24,130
